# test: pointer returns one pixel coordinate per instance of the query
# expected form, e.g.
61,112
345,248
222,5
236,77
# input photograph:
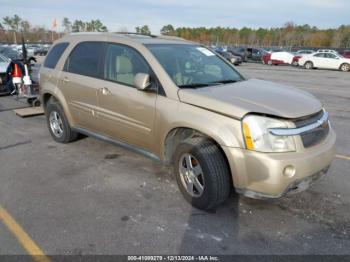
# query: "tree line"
289,35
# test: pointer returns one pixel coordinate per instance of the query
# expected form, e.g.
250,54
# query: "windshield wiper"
227,81
195,85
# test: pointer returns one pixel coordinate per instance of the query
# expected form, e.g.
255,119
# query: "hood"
252,96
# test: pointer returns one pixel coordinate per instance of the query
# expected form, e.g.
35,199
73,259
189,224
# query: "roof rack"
169,37
137,34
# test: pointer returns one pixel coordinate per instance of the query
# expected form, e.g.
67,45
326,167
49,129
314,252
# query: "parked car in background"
278,58
255,54
41,51
181,103
4,63
345,53
236,60
304,52
11,53
327,51
239,51
326,61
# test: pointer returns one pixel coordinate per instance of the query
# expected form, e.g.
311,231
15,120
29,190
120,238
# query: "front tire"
57,122
202,173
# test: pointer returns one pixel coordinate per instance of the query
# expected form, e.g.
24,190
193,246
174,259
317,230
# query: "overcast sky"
123,14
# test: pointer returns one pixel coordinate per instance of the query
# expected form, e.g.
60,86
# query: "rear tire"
345,67
57,122
202,164
309,65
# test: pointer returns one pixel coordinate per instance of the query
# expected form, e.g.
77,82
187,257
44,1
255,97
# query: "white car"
327,51
326,61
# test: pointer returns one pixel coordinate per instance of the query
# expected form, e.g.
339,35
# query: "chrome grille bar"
300,130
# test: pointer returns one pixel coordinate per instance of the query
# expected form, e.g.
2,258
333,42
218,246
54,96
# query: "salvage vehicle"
236,60
178,102
4,63
10,53
325,61
278,58
255,54
239,51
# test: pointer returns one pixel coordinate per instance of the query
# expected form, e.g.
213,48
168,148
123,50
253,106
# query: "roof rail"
170,37
132,33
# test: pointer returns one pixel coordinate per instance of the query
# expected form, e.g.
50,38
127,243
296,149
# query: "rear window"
85,59
54,55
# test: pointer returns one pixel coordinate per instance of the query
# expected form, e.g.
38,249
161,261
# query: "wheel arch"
178,134
308,61
344,63
57,96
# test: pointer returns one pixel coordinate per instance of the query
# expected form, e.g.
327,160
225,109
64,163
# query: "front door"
126,113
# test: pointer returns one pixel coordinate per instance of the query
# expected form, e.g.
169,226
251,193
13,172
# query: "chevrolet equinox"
183,104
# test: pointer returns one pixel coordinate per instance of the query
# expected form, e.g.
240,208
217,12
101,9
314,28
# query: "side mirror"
142,81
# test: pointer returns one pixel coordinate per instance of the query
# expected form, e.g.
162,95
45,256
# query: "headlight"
257,136
233,60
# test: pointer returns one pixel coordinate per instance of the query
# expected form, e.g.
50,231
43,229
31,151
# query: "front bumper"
261,175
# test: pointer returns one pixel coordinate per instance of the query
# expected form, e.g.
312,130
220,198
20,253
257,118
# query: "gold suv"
181,103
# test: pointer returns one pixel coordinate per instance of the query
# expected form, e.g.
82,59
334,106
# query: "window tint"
85,59
329,55
54,55
319,55
122,63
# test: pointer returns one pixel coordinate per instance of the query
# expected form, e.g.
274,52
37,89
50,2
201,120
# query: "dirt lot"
90,197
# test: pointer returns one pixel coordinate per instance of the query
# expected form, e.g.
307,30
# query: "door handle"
105,91
66,79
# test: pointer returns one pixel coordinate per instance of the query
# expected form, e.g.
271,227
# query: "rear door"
80,81
126,113
49,75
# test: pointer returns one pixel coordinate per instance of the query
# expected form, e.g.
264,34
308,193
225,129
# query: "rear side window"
54,55
85,59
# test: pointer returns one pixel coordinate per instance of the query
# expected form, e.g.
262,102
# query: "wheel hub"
56,124
191,175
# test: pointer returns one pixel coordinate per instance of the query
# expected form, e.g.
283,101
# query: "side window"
329,55
54,55
122,63
85,59
319,55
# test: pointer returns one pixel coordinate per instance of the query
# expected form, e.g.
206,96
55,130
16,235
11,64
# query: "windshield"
192,66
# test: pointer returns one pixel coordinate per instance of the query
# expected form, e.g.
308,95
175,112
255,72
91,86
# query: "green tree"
25,26
67,24
78,26
16,21
95,26
144,30
167,30
8,22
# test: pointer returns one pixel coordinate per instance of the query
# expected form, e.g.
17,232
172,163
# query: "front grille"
315,136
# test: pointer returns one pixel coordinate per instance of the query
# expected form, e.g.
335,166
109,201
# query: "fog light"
289,171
